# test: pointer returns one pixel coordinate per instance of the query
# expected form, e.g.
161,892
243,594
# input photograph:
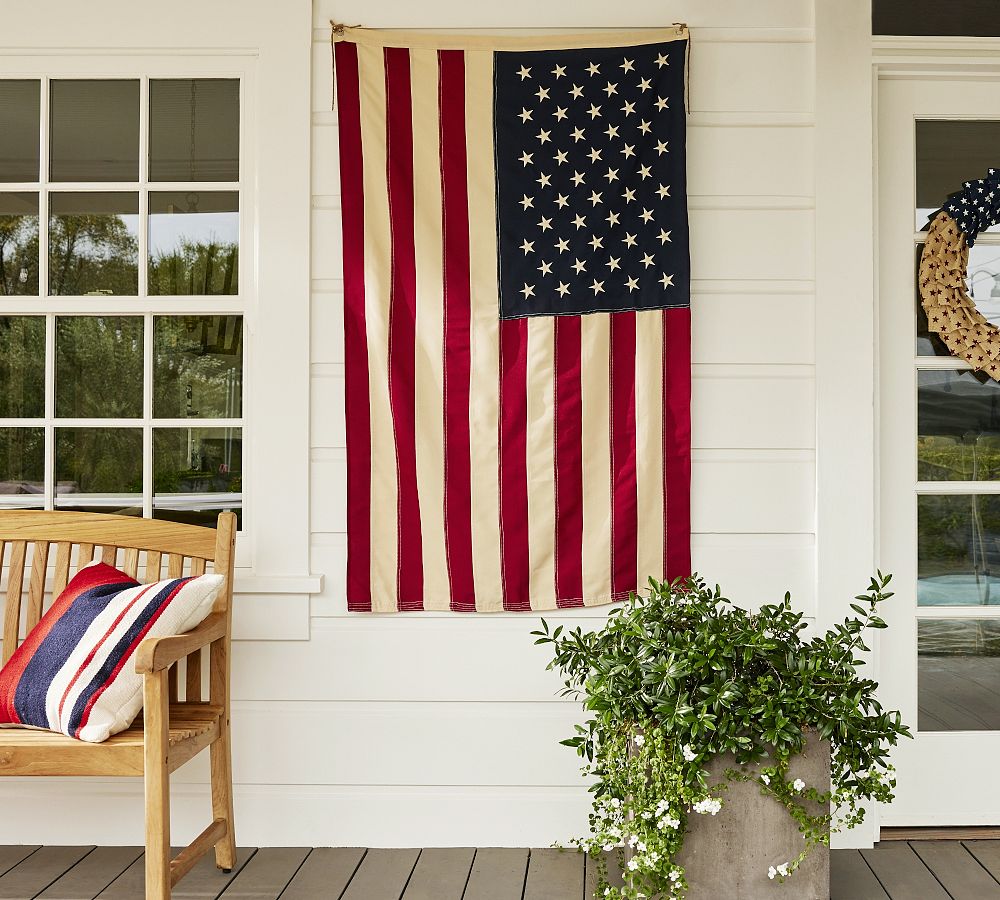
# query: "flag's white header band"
382,37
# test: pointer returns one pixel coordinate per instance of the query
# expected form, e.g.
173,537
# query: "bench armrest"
155,654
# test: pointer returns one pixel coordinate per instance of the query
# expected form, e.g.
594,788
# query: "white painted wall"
443,729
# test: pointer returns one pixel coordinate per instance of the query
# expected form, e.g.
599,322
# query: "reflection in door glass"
950,152
958,678
958,550
958,426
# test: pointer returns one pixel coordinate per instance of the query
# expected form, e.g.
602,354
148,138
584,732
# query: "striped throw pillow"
75,671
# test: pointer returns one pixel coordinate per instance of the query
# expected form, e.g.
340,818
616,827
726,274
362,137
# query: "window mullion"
50,402
147,415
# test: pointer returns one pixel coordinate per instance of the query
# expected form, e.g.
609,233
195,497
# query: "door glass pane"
958,426
958,675
194,129
194,242
197,367
22,468
99,469
19,244
22,367
197,473
99,367
94,130
949,153
19,136
94,244
958,550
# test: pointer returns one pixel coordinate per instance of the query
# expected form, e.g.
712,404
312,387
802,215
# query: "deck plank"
35,873
440,874
266,875
203,881
902,873
554,875
92,874
851,879
590,874
12,854
957,870
382,875
987,852
497,874
326,873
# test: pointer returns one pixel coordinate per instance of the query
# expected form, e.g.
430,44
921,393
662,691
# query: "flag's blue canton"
977,206
591,192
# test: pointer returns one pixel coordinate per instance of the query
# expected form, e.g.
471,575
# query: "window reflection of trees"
92,254
195,268
18,255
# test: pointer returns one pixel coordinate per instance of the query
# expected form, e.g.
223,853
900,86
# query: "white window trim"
265,49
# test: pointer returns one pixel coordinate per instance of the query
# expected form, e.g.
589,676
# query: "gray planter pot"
726,856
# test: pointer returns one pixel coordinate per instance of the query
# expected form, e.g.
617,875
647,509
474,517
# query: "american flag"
517,318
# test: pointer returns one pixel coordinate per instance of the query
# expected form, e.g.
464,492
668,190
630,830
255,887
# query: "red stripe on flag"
358,415
568,462
624,491
677,442
514,556
402,324
457,319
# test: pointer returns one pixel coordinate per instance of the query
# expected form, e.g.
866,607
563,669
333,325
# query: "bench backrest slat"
137,546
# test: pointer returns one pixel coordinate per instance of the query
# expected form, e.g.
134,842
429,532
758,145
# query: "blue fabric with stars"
977,206
590,177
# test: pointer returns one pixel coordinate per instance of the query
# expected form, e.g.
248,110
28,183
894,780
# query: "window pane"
22,367
948,154
22,468
19,137
958,426
198,367
958,675
99,469
99,367
197,473
194,129
19,244
958,548
94,131
983,284
194,242
93,244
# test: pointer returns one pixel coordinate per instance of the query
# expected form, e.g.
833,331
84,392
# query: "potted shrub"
724,745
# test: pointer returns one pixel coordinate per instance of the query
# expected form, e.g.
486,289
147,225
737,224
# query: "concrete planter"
726,856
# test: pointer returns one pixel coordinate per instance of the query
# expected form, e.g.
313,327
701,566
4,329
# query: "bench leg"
222,763
156,714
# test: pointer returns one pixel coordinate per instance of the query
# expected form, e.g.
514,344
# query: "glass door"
939,505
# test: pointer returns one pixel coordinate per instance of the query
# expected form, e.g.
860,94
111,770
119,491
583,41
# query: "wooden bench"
172,729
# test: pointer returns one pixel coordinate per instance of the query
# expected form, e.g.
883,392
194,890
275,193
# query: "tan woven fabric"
951,312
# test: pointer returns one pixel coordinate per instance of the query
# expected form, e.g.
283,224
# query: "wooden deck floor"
915,870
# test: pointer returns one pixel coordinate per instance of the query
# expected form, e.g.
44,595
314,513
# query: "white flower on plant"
674,874
632,840
708,806
766,779
633,864
689,754
782,870
771,872
615,803
669,822
798,784
639,740
608,848
662,807
641,847
647,815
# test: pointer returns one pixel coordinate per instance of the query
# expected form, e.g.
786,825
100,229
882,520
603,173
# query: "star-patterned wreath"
951,312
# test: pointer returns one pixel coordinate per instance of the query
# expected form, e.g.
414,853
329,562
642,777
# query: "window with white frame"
121,326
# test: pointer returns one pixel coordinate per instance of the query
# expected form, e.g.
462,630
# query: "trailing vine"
679,675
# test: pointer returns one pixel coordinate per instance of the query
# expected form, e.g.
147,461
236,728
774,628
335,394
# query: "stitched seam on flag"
595,309
444,325
500,478
496,189
555,458
611,440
